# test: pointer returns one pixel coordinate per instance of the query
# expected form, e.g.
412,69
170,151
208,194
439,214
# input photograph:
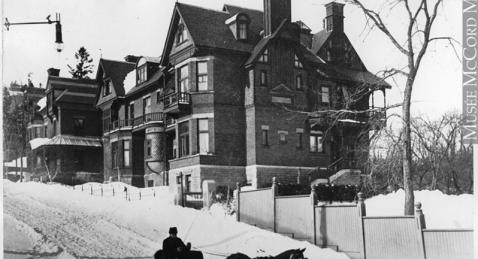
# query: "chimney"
334,19
53,72
274,12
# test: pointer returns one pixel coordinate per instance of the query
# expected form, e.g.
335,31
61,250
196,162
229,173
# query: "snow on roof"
42,103
38,142
12,163
130,81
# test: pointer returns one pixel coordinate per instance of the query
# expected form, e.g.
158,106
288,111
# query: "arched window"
242,30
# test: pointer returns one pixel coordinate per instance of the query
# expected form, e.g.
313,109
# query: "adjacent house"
244,97
65,132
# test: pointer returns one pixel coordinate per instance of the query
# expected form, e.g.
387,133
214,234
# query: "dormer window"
141,74
107,88
181,34
297,62
239,26
141,71
265,56
242,30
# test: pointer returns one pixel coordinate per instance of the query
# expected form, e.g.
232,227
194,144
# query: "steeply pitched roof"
208,29
319,39
117,71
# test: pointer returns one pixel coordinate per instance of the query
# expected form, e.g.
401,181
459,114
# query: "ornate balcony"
177,103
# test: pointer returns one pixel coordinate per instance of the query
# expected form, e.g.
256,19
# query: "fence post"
139,195
274,193
91,189
362,213
82,187
113,191
101,190
154,192
313,201
421,225
237,193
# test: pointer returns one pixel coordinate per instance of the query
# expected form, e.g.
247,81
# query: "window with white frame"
316,138
183,79
264,56
202,75
325,94
203,136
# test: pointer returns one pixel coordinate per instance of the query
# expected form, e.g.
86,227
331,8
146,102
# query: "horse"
289,254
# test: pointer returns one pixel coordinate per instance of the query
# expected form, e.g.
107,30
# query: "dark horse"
186,255
289,254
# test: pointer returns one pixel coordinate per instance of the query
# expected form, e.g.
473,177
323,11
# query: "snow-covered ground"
58,219
440,210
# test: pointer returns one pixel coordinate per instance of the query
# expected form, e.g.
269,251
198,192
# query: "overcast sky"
115,28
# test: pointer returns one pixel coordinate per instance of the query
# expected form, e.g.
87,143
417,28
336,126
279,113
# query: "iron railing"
176,98
149,117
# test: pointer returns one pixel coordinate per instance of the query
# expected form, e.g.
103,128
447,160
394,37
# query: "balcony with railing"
177,103
134,123
149,117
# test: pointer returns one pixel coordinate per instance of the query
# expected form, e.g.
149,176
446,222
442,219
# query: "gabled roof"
208,27
319,39
259,48
117,71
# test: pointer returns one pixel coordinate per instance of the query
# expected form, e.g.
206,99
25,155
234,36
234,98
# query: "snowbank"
440,210
114,227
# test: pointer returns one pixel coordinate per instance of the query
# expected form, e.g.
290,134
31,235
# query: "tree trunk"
407,150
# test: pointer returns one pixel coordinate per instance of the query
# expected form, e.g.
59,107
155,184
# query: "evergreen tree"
84,64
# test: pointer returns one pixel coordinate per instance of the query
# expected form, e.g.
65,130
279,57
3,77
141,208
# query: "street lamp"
58,34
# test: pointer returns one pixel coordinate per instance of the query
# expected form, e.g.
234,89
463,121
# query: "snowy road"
63,223
79,233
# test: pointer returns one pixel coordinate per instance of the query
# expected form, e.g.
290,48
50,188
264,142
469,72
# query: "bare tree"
420,19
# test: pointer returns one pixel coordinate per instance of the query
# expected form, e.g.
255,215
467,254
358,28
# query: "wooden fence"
106,190
346,228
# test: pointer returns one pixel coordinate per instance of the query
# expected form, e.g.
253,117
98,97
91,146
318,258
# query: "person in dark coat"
173,246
